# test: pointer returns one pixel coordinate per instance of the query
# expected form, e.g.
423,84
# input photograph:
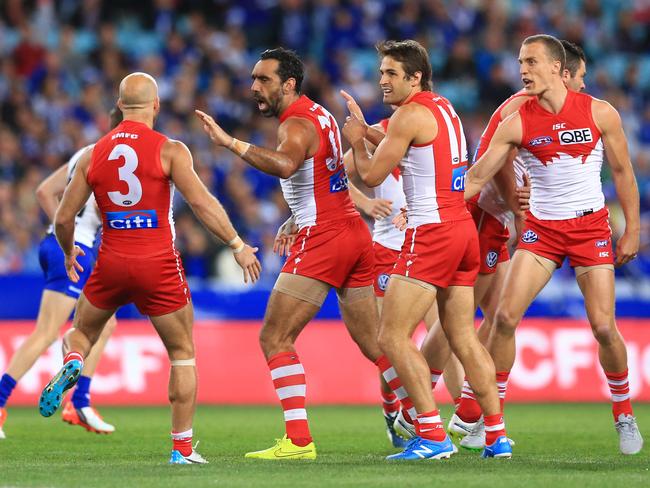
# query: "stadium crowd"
61,62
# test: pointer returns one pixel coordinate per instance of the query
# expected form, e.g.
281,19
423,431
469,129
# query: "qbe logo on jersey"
575,136
134,219
458,178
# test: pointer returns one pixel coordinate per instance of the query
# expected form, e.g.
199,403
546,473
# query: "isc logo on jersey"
135,219
575,136
458,178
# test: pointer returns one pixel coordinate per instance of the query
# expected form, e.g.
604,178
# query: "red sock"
494,428
429,426
390,376
502,385
468,409
619,386
289,381
182,442
435,376
389,403
73,355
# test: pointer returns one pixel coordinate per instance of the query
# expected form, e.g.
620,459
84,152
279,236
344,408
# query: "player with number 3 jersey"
132,172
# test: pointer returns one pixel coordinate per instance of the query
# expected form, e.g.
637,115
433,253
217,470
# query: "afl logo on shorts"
382,281
602,243
529,237
491,259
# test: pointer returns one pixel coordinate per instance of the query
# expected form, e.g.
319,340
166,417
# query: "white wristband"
233,240
240,248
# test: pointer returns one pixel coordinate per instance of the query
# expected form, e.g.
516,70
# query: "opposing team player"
439,257
132,172
492,215
563,137
333,248
59,298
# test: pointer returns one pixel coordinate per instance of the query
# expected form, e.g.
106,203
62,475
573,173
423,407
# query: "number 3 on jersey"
126,174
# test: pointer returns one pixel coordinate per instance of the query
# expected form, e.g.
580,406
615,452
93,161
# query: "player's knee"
180,351
386,340
604,333
505,322
272,342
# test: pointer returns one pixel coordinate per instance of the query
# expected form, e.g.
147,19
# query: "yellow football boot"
285,449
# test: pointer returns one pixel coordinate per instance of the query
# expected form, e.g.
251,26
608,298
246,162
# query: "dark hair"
289,65
553,46
413,57
574,54
115,117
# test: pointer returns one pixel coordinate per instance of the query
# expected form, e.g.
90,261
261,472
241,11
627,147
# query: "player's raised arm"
507,137
295,138
207,208
50,190
609,122
373,133
405,123
74,198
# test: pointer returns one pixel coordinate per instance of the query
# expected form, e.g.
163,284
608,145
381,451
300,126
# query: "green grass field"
557,445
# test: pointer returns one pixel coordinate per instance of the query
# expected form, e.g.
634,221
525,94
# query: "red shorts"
385,260
441,254
586,240
492,239
338,253
156,285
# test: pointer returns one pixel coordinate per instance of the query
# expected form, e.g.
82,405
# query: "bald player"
132,172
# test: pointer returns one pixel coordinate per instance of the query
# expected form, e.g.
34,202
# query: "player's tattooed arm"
297,141
609,123
507,137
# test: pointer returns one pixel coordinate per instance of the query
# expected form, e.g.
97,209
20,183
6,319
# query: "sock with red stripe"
619,386
468,409
389,403
182,442
73,355
429,426
494,428
390,376
288,377
435,377
502,386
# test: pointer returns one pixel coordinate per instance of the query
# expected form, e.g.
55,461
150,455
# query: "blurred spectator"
63,59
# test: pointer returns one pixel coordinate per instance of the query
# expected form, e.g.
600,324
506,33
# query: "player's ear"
416,78
289,85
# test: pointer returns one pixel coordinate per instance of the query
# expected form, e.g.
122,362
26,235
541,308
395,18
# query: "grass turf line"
561,444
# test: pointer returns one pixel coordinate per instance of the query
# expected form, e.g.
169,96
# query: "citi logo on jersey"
138,219
458,178
575,136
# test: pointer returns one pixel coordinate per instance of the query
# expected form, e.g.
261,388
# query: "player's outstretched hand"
285,237
72,265
354,129
216,133
377,208
627,248
401,219
353,107
249,263
523,194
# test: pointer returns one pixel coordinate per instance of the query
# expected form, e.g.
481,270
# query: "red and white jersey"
318,191
434,173
133,194
384,231
490,198
563,154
